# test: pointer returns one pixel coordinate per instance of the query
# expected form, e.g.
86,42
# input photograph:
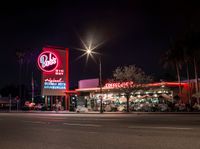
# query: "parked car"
163,107
81,109
121,108
39,106
28,106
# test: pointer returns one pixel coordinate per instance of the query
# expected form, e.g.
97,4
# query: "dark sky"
135,32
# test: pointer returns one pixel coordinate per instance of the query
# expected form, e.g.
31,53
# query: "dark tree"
130,79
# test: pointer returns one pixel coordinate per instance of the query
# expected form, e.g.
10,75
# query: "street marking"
33,122
107,119
52,118
92,132
167,128
83,125
82,119
65,118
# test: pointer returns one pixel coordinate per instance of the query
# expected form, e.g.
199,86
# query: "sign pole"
32,85
10,103
17,105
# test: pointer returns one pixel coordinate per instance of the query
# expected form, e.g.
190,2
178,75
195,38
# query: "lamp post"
100,85
32,87
89,52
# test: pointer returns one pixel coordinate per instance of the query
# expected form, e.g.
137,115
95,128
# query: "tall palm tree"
187,62
192,44
173,57
20,58
184,52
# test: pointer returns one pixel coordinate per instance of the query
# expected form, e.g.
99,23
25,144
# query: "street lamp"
89,50
89,53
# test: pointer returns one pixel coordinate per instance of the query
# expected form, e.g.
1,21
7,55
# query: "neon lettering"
47,61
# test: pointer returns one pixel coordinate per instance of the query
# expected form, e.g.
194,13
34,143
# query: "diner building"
153,94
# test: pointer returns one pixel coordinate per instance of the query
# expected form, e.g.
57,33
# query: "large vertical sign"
53,63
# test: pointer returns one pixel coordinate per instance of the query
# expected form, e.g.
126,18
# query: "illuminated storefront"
143,100
53,63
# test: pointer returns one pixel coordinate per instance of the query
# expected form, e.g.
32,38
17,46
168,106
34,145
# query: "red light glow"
124,84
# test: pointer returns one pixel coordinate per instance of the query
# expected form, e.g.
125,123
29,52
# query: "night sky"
133,32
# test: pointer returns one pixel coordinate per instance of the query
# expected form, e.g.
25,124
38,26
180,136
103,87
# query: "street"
99,131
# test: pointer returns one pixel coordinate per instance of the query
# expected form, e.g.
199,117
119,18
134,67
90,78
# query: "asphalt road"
99,131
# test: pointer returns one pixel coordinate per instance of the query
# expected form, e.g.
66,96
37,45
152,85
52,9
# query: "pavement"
96,112
43,130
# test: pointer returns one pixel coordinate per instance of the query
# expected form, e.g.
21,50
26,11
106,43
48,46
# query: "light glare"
89,51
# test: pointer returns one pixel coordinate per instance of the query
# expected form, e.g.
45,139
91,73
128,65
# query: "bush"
44,108
25,108
113,109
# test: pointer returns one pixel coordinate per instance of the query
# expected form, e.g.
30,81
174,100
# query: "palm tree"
192,45
20,58
174,58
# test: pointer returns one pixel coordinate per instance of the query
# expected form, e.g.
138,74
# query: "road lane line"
83,125
107,119
35,122
92,132
166,128
54,118
61,118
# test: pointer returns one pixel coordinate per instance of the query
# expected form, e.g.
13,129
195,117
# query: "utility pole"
32,85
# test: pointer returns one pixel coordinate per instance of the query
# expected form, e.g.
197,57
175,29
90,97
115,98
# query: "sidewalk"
96,112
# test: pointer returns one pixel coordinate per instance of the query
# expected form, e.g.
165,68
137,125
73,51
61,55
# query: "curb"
70,112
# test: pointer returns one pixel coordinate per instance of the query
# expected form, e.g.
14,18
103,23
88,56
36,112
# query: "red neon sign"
47,61
130,84
119,85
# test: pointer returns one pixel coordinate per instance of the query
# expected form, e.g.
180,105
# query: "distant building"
5,103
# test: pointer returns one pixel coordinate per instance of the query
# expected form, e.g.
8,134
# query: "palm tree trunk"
188,78
20,82
178,77
196,78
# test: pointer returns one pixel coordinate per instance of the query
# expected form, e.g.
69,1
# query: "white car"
163,107
121,108
81,109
